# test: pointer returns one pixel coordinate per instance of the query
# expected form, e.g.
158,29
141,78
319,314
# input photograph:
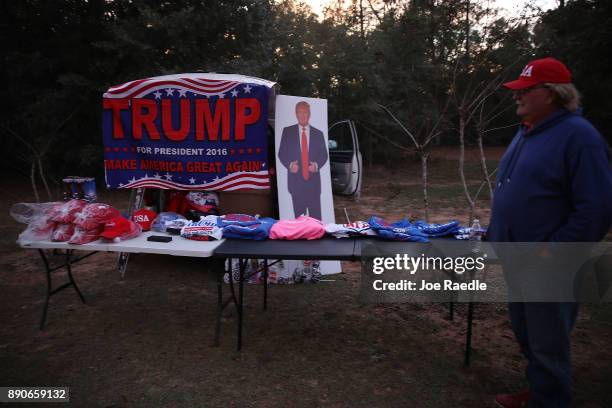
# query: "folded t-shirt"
206,229
397,231
303,227
438,230
353,229
258,231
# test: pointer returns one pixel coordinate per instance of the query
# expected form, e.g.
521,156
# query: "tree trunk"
483,164
361,28
462,126
370,152
41,172
467,32
424,157
33,180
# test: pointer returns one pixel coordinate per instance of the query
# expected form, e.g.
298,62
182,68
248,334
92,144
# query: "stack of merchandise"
397,231
194,204
167,219
205,229
353,229
242,226
37,216
63,215
73,221
438,230
89,222
418,231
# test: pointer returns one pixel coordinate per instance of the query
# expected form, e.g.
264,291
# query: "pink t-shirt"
303,227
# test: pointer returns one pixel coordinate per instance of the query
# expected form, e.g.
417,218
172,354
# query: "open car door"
345,158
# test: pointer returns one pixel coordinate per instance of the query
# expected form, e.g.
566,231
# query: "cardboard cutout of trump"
303,169
303,152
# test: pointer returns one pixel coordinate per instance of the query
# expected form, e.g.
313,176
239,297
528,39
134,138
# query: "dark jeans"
543,331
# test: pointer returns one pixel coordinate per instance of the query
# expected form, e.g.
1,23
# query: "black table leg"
43,318
265,279
242,264
220,270
72,281
468,336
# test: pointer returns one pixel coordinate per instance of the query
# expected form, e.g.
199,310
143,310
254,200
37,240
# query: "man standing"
303,152
554,184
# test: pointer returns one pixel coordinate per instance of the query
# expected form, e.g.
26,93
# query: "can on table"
80,188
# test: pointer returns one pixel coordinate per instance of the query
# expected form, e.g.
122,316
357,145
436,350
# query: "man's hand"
293,167
313,167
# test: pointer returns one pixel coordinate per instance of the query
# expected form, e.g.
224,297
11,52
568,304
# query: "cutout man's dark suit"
305,194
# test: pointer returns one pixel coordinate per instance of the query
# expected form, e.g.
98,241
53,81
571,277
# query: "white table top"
179,246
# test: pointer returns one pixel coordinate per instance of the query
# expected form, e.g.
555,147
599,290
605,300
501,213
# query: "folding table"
320,249
177,247
344,249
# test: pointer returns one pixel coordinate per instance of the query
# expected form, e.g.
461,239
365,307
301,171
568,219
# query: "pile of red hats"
40,227
89,223
62,216
78,222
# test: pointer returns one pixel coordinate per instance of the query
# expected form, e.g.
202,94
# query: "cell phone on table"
159,238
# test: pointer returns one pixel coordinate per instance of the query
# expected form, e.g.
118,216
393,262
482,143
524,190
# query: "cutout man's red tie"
305,173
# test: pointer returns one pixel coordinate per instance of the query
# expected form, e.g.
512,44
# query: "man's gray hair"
565,95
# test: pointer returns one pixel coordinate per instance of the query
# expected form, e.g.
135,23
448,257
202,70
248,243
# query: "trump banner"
187,132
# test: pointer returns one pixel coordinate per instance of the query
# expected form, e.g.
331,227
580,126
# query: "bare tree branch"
416,144
375,12
502,127
375,133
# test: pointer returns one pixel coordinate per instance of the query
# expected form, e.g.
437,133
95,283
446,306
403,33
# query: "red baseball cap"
144,217
115,228
541,71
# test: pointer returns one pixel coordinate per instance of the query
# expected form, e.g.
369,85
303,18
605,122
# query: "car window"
340,137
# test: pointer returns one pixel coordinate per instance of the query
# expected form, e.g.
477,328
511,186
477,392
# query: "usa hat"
544,70
144,217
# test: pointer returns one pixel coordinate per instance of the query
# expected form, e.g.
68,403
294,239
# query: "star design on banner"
146,175
120,184
168,176
263,164
108,186
133,179
157,94
234,93
221,95
157,176
169,91
247,89
216,178
182,93
192,180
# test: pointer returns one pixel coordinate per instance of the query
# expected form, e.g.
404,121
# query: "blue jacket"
554,183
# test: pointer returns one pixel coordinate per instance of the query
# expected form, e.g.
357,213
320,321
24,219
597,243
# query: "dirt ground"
146,341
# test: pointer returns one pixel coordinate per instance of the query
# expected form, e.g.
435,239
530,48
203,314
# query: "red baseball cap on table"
116,227
545,70
144,218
